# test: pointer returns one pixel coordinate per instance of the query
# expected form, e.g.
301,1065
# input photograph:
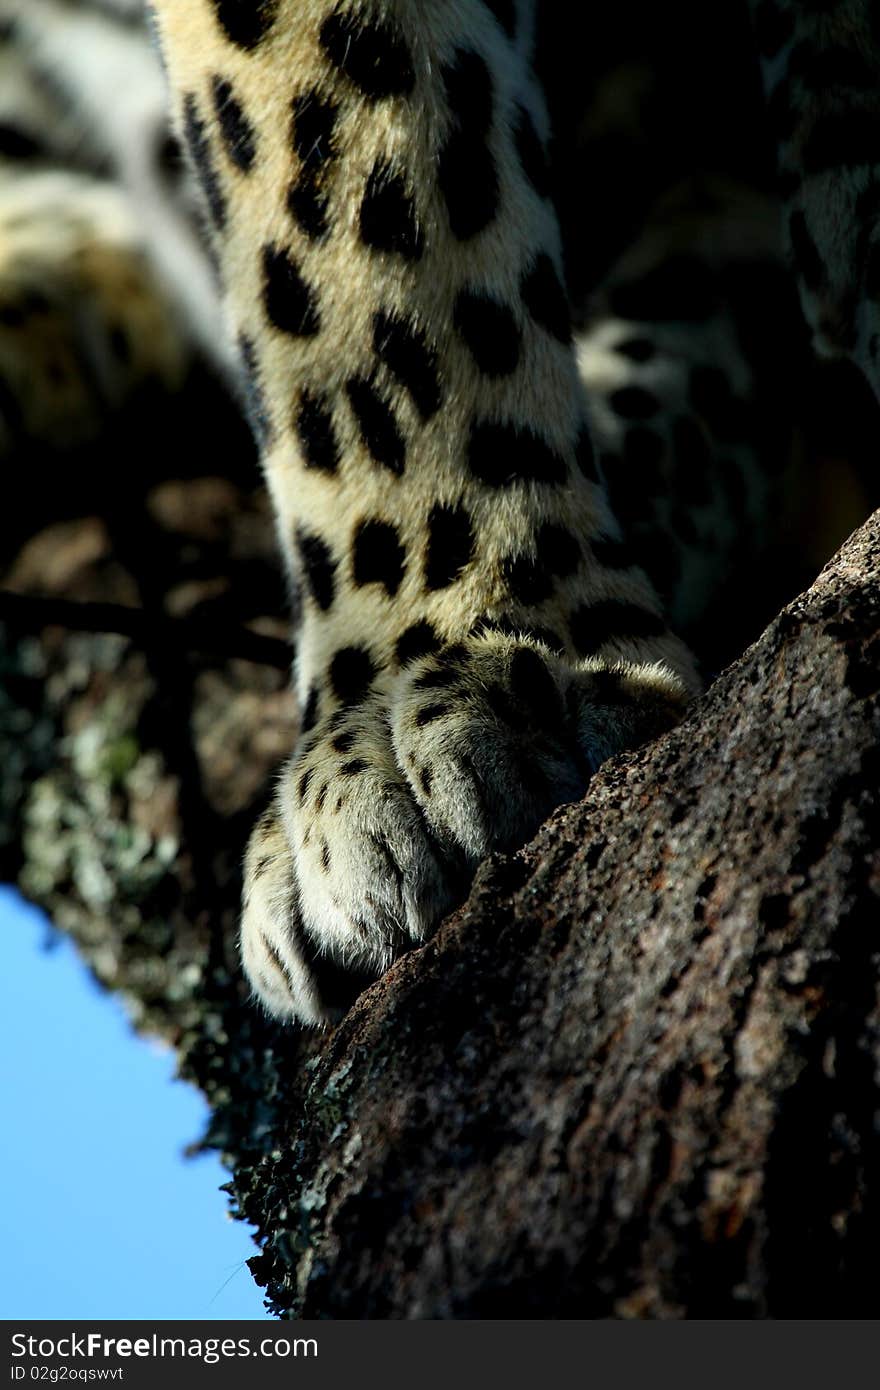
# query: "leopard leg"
471,646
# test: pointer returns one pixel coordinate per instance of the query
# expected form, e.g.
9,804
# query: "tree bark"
636,1075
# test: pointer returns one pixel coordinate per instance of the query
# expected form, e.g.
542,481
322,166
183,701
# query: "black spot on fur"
430,713
469,184
314,425
409,358
468,84
269,980
377,424
199,146
313,124
255,400
371,52
343,743
246,22
352,768
16,143
499,702
418,640
606,688
593,625
533,685
466,171
307,205
440,679
325,857
490,331
505,12
426,780
545,298
634,403
351,674
310,711
528,579
636,349
388,220
169,156
532,155
450,545
531,578
303,786
238,133
379,556
500,455
319,568
289,301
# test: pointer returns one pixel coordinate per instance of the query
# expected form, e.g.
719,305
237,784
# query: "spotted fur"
499,479
414,349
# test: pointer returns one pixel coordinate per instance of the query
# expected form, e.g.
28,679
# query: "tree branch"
634,1076
637,1074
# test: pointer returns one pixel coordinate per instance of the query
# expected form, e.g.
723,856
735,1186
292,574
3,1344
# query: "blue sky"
100,1215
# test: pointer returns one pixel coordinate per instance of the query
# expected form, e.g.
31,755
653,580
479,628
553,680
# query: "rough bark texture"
636,1075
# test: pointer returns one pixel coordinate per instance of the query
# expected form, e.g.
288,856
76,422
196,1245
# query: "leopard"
509,453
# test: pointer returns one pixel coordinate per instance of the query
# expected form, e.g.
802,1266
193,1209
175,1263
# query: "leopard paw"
495,734
388,805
